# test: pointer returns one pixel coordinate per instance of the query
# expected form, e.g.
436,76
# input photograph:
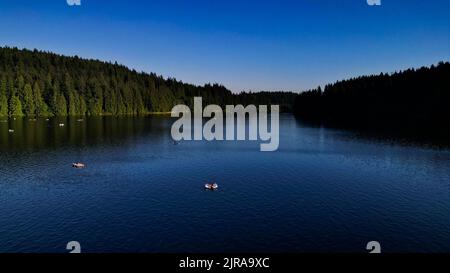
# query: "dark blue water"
323,190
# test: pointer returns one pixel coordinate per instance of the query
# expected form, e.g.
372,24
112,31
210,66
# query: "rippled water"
323,190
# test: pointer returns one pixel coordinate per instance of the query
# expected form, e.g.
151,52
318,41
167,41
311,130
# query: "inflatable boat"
78,165
211,186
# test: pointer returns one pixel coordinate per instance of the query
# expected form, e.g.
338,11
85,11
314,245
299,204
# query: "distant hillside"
415,100
36,83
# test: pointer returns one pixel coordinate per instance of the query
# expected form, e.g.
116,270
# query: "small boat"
211,186
80,120
61,125
78,165
11,130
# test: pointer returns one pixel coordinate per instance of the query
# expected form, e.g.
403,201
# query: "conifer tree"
42,109
3,98
61,105
28,99
15,106
73,104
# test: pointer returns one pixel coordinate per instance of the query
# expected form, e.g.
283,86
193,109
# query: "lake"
324,190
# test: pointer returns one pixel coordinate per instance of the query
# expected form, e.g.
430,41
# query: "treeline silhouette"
417,100
37,83
282,98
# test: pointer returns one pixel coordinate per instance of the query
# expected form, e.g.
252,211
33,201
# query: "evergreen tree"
110,102
61,105
3,106
15,106
139,104
121,108
42,109
28,99
3,98
73,104
95,101
58,101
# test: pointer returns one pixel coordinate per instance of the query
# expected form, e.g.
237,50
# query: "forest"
417,100
38,84
35,83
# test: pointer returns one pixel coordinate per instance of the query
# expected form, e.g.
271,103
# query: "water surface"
323,190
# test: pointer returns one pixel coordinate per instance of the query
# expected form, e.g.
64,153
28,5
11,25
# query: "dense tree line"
284,99
36,83
411,99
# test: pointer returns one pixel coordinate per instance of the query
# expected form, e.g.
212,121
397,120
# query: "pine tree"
3,106
47,93
15,106
54,91
73,104
95,102
61,105
139,104
121,108
3,98
28,99
41,107
58,101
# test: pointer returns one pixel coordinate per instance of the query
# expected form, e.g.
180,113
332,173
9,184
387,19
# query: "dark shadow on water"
424,136
42,133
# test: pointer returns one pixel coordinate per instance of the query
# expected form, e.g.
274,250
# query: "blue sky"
245,45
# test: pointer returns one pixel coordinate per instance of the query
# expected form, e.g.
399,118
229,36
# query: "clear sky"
245,45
